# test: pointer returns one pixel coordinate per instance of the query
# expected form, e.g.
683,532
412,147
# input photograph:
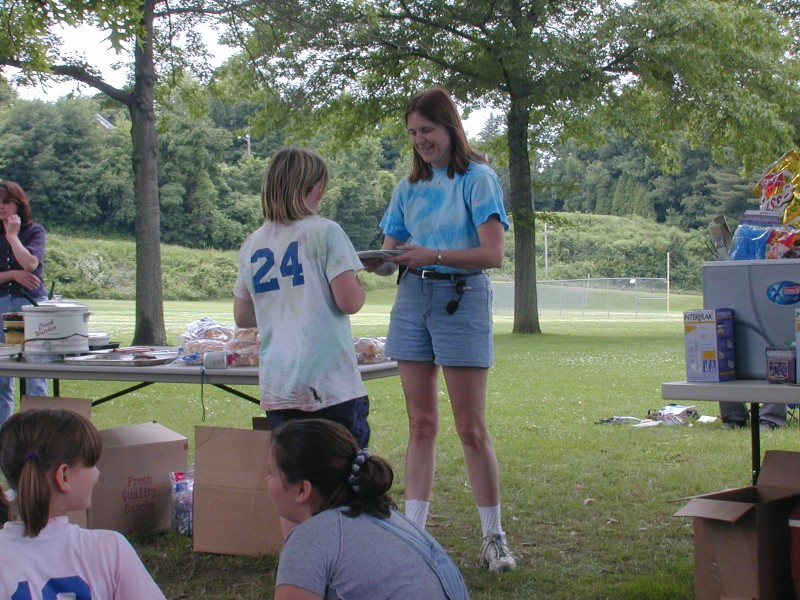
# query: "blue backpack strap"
431,550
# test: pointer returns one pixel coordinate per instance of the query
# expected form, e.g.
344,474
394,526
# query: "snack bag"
781,243
749,242
779,188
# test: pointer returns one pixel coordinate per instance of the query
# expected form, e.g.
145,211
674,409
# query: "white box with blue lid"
763,295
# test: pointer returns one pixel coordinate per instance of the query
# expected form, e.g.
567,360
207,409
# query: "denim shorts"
420,328
351,414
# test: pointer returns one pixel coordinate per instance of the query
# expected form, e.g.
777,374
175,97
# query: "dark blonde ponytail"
35,442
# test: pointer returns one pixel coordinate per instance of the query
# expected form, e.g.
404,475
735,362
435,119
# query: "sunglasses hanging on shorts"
452,306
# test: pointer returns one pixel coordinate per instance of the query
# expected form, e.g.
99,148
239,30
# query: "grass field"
587,507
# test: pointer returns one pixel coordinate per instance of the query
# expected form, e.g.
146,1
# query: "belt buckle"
427,274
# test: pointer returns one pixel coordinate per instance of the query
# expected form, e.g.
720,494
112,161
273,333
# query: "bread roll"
247,334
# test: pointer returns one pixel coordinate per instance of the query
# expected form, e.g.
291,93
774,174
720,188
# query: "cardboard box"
741,536
232,510
82,406
708,338
134,491
797,340
261,423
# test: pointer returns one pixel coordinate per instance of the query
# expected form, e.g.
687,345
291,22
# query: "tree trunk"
526,309
150,329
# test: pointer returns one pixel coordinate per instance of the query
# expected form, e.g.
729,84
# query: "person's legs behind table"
772,416
33,386
735,415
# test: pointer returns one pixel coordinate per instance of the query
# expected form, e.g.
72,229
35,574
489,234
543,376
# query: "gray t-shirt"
343,558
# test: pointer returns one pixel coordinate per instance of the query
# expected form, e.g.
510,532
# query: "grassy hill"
578,246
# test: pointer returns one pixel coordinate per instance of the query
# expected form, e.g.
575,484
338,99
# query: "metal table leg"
755,440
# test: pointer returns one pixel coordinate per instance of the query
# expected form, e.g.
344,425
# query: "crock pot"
56,327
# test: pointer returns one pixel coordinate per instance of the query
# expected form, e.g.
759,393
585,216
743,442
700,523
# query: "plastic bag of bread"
201,346
247,334
369,350
243,348
209,329
205,335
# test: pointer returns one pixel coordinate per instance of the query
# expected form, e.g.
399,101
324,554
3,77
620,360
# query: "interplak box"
708,337
741,536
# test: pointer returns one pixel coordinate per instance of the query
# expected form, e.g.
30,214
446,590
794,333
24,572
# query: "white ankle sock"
417,511
490,520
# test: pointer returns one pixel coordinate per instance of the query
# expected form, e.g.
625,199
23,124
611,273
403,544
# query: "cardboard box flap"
82,406
781,470
218,527
232,509
719,510
231,458
143,433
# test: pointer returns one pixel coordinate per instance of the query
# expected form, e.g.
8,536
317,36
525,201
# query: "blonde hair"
291,174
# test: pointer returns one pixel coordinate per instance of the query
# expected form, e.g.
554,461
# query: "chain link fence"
611,296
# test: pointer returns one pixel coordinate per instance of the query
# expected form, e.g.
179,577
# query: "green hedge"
579,246
106,269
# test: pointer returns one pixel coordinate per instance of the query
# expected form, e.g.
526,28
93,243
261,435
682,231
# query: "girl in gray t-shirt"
350,541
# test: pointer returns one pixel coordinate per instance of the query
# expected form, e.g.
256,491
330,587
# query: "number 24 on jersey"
265,280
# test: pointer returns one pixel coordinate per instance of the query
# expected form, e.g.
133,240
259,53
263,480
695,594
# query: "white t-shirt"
92,564
307,360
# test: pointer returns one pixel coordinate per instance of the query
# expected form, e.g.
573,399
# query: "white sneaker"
495,554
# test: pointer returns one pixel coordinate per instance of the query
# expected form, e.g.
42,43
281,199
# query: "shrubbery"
580,246
106,269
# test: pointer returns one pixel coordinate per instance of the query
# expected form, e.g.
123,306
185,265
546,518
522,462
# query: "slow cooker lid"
55,306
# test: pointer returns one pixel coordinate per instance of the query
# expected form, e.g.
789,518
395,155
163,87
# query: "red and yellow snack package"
779,188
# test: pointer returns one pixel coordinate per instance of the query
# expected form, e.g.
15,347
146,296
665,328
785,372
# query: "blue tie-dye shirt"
445,213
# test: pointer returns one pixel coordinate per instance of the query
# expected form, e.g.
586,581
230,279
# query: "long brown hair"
323,452
436,105
291,174
14,192
34,442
